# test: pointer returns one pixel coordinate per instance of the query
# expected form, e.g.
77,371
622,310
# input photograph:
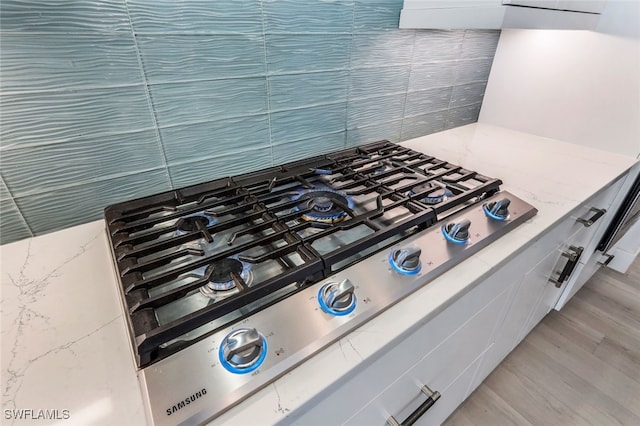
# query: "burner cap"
324,205
222,270
321,204
436,192
190,223
221,276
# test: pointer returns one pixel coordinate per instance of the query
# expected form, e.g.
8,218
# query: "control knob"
243,350
457,233
498,210
406,260
337,298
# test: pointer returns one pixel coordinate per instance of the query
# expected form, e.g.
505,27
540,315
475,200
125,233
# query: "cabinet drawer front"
438,370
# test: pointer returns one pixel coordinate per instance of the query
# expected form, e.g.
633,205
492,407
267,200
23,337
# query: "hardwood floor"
580,366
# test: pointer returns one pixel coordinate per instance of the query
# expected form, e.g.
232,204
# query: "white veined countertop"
64,338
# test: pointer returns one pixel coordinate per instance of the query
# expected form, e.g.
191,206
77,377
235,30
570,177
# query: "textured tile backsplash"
104,101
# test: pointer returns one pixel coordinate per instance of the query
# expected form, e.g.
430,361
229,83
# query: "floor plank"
578,366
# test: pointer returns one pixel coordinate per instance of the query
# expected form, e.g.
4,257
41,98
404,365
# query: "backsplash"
104,101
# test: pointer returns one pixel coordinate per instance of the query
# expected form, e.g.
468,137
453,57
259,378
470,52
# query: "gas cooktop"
231,283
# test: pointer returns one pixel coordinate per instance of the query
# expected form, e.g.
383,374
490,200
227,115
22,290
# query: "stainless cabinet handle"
432,397
598,213
573,254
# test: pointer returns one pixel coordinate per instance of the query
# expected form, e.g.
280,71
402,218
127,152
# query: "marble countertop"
64,338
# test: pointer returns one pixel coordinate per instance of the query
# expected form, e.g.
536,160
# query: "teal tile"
437,45
307,122
299,90
193,141
367,82
374,133
309,16
425,101
467,94
47,167
473,70
178,58
462,116
61,61
364,112
62,208
63,16
413,127
428,76
305,148
307,52
209,168
480,43
12,225
382,48
375,15
4,191
46,117
196,16
180,103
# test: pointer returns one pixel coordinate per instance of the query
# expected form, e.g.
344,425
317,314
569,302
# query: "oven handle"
593,219
573,254
432,397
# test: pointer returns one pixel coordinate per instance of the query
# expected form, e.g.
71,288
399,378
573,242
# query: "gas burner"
379,167
194,223
437,192
325,205
221,276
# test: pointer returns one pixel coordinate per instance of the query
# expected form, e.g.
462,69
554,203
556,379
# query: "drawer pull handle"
432,397
573,255
598,213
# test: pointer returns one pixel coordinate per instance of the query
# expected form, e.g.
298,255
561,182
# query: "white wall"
577,86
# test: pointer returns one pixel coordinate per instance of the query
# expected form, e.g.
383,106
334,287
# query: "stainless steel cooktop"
229,284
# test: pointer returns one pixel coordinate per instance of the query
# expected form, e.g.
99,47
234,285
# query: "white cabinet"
452,14
496,14
534,295
606,201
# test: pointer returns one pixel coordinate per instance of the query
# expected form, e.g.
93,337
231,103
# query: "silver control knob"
498,210
407,258
242,348
457,232
338,297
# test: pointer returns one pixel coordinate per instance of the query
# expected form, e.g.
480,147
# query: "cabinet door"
544,293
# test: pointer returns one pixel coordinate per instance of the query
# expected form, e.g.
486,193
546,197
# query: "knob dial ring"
340,306
252,358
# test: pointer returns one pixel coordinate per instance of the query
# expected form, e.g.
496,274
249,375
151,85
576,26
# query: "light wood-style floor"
579,366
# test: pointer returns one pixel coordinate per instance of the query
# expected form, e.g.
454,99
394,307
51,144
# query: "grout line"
89,181
152,110
15,204
266,69
406,92
73,89
346,110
